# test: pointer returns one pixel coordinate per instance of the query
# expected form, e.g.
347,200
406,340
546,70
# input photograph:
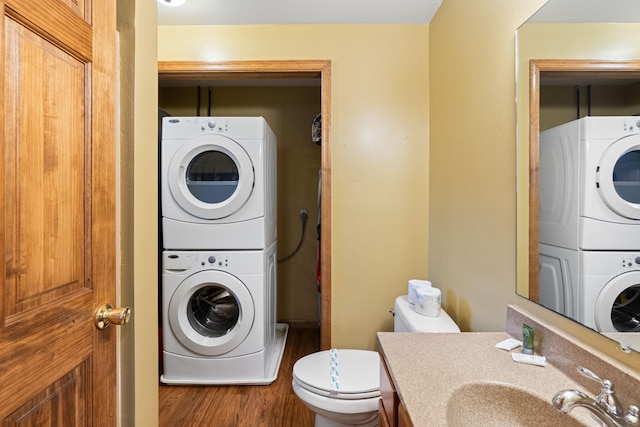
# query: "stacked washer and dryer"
219,232
590,222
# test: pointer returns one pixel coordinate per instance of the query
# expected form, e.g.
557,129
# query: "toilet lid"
359,374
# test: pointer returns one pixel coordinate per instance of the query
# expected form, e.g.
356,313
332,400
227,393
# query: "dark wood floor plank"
274,405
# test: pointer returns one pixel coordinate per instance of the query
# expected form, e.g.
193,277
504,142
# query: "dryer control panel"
632,125
180,128
608,127
221,126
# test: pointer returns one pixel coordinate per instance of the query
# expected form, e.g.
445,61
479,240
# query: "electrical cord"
303,219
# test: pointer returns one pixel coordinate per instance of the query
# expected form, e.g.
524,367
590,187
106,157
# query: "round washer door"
618,304
211,312
618,177
211,176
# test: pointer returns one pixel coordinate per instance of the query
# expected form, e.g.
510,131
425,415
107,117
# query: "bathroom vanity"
457,379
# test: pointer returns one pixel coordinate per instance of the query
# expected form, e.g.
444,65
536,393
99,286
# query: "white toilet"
352,399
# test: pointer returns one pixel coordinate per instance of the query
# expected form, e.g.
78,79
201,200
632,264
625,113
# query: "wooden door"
57,173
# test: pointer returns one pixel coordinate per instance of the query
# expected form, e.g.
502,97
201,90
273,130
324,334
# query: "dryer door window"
211,177
211,312
618,304
618,177
626,177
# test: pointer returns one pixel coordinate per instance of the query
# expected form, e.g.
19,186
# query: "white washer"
218,180
590,184
600,289
609,291
219,317
558,279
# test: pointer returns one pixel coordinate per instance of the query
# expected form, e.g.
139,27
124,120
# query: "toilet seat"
361,410
358,374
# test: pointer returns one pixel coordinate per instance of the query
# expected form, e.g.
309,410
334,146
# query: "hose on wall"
303,219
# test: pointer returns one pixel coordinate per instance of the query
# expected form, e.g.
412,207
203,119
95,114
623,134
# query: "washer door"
211,312
618,304
618,177
211,176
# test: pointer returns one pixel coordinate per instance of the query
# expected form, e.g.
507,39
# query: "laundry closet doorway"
208,75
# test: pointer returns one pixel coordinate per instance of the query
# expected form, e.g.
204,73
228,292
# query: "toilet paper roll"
413,285
428,301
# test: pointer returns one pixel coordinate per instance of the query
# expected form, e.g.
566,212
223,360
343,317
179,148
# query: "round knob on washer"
211,124
637,260
211,259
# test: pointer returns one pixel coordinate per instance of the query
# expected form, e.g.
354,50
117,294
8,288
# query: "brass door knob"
106,315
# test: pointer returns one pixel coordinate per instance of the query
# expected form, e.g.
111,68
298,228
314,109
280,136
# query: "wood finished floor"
273,405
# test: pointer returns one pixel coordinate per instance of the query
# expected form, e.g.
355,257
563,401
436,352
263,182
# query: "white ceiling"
239,12
617,11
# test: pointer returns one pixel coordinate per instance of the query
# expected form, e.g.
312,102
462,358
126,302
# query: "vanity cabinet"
403,417
383,420
391,411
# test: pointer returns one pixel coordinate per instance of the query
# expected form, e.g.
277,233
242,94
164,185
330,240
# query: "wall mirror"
578,136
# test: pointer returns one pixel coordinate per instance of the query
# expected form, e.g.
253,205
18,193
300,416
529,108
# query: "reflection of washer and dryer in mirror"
219,215
590,222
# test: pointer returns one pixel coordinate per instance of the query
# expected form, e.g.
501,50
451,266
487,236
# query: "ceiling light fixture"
172,3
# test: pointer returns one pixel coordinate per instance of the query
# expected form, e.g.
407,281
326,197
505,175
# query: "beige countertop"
428,367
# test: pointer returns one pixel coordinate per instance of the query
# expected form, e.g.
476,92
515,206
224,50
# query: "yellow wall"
289,110
472,218
138,360
379,82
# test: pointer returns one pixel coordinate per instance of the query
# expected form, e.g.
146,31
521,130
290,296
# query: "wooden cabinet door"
388,396
383,421
57,216
403,417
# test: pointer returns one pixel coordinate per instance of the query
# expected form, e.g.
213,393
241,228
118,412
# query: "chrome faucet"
606,406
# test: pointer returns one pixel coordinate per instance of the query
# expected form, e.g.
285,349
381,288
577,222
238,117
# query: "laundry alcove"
286,93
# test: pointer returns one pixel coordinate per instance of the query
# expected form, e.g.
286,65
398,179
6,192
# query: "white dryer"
590,184
219,317
218,183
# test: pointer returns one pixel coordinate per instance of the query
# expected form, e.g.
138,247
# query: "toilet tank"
407,320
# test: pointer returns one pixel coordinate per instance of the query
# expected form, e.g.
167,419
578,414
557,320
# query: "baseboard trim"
301,324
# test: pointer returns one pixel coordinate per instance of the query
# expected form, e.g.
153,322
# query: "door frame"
293,69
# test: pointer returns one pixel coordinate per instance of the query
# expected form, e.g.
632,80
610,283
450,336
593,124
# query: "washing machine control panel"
217,261
180,262
632,262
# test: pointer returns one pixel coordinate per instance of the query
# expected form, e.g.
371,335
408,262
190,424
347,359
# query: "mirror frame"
565,68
